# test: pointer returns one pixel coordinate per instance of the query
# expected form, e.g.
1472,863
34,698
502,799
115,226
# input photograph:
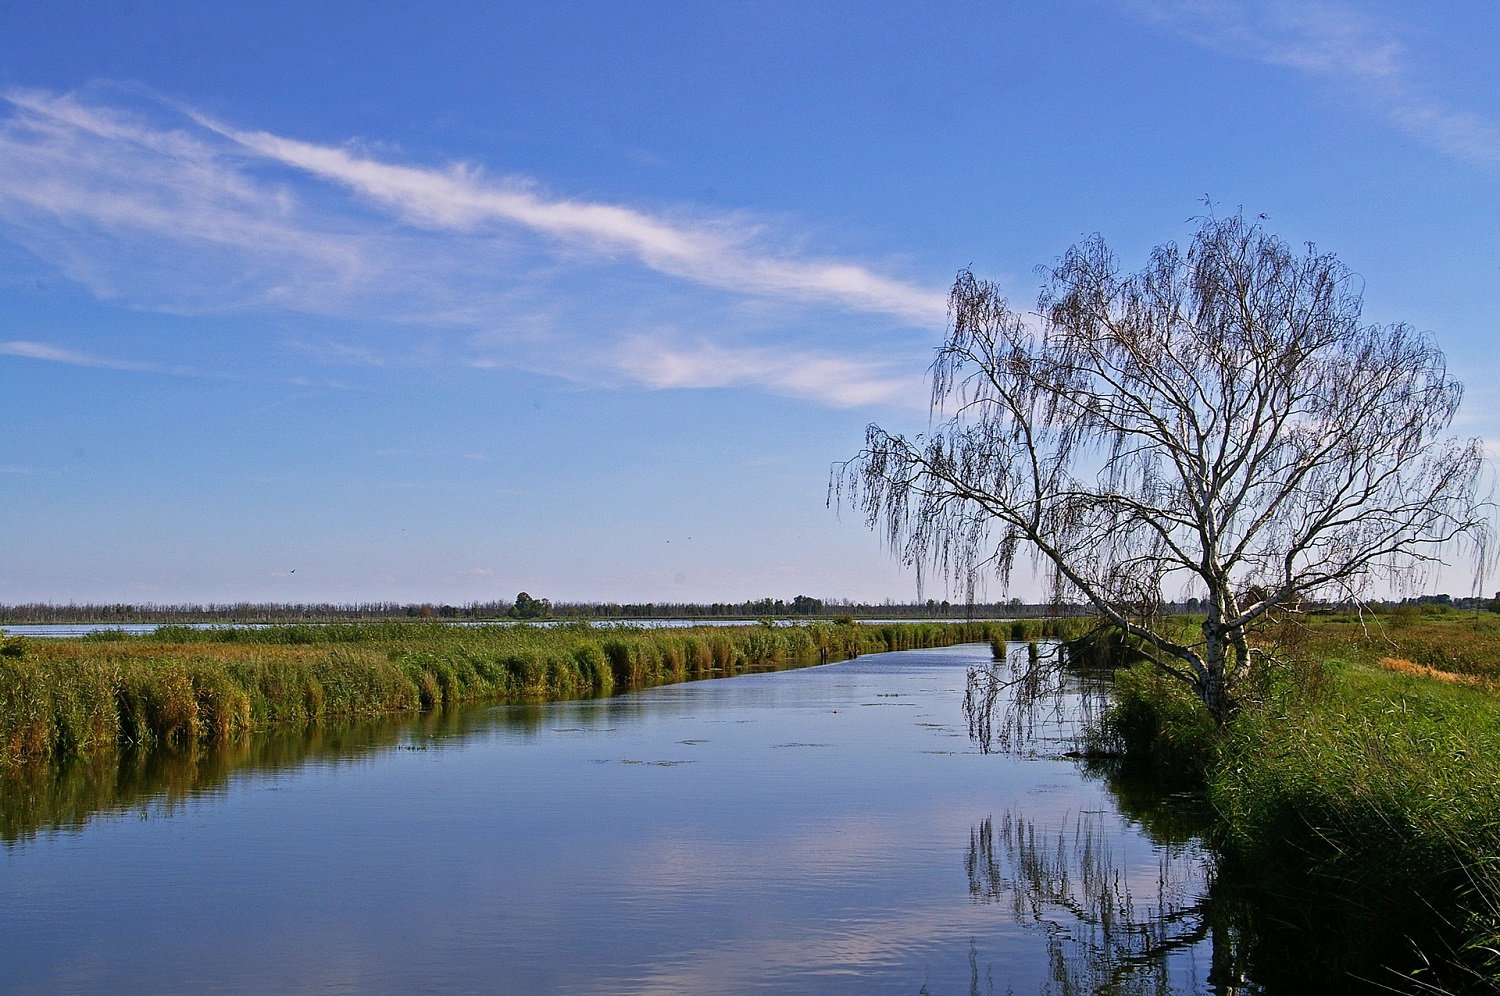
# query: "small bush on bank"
1155,721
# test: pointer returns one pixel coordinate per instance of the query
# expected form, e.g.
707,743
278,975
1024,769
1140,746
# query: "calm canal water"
829,830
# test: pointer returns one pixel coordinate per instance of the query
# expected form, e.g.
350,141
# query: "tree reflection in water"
1108,931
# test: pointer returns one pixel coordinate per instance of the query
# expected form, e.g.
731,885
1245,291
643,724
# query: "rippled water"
822,830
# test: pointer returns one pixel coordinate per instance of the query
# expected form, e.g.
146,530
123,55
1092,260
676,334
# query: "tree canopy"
526,607
1220,424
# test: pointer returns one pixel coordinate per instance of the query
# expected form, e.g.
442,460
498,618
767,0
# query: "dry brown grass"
1404,666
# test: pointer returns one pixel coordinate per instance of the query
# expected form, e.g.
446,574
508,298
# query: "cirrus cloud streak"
56,354
830,379
1338,41
160,207
718,253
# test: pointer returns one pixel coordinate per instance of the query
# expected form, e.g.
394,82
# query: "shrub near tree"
1221,422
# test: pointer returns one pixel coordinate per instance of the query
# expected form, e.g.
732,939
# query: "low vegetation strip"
182,687
1465,643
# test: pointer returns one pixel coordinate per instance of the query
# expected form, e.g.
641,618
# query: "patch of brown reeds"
1403,666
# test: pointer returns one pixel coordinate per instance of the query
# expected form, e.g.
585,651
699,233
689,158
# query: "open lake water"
830,829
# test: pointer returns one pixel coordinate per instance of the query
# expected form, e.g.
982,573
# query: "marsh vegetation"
1339,832
1354,798
181,686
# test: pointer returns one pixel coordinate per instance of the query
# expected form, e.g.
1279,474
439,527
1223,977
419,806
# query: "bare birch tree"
1220,422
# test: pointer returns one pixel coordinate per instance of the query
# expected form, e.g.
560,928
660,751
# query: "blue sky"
444,301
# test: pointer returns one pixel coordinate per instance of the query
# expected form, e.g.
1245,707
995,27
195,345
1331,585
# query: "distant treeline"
526,607
805,605
280,612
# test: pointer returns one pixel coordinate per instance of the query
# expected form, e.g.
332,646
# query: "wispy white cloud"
341,353
55,354
827,378
161,208
718,252
78,184
1339,41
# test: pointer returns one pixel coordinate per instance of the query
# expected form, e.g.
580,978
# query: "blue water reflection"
822,830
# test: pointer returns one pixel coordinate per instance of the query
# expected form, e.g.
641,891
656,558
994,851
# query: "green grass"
1465,643
1372,806
1356,798
185,687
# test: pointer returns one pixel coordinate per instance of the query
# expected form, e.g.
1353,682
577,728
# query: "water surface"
830,829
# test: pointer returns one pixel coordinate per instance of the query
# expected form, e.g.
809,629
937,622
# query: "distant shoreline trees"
124,614
800,606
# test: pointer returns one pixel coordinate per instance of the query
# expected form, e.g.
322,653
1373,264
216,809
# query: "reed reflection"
66,796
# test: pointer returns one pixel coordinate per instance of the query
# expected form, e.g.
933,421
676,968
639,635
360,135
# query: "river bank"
180,686
1356,796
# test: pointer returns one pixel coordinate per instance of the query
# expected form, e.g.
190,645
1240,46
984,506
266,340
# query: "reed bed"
77,788
182,687
1370,814
1463,643
1356,795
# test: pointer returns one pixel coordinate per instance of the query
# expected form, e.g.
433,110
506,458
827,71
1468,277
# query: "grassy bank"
1357,796
182,687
